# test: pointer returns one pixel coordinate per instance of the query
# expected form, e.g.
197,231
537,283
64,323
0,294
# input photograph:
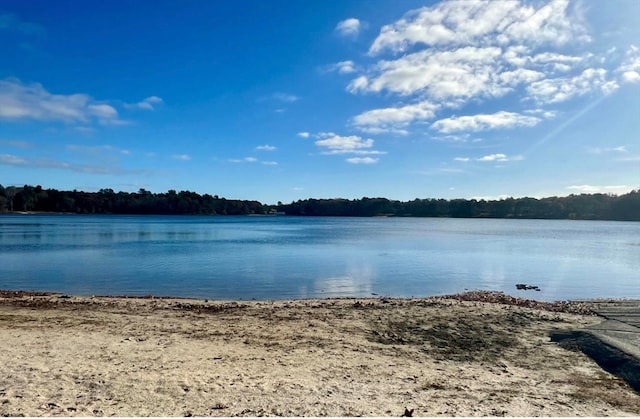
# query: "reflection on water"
289,257
358,281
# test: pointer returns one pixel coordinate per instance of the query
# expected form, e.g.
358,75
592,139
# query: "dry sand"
86,356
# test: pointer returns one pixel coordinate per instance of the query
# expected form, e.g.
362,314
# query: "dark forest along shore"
239,257
597,206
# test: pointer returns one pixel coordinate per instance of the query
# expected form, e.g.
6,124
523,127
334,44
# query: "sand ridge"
471,355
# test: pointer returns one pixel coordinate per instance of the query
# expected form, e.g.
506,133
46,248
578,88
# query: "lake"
228,257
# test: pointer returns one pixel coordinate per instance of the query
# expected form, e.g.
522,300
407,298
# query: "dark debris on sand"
572,307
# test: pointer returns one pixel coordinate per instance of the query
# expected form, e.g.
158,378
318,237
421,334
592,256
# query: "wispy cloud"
45,163
362,160
244,160
629,159
483,122
17,144
266,147
19,101
343,67
97,150
12,160
348,27
599,189
148,103
182,157
303,134
251,159
601,150
499,157
285,97
11,22
496,157
564,88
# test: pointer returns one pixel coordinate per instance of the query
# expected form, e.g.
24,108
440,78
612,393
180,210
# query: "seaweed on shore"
572,307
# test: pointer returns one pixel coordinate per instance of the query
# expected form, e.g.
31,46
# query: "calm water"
298,257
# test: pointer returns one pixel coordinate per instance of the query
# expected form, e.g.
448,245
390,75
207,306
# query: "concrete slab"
614,343
621,329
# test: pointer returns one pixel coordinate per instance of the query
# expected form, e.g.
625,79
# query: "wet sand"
465,355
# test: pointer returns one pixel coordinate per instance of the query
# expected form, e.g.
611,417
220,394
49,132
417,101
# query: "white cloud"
483,122
348,27
630,67
103,111
353,144
598,150
183,157
146,104
245,160
19,101
599,189
460,52
336,144
362,160
494,157
343,67
269,163
394,119
96,150
442,75
106,114
11,160
631,77
546,114
499,157
303,134
462,159
453,23
286,97
358,84
562,89
266,147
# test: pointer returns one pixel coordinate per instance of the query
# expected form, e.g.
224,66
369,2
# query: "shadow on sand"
607,357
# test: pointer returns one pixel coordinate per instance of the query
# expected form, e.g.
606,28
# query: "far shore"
471,354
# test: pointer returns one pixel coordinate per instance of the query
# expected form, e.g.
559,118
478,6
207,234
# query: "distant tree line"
580,207
106,201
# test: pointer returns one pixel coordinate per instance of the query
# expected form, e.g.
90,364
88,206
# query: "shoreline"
470,354
578,306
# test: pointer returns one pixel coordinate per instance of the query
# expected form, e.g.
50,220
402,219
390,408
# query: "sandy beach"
489,356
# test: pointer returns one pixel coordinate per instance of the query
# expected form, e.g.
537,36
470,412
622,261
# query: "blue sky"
285,100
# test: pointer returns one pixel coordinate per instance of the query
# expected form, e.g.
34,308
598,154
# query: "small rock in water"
527,287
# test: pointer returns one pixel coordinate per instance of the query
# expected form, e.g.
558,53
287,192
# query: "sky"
283,100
